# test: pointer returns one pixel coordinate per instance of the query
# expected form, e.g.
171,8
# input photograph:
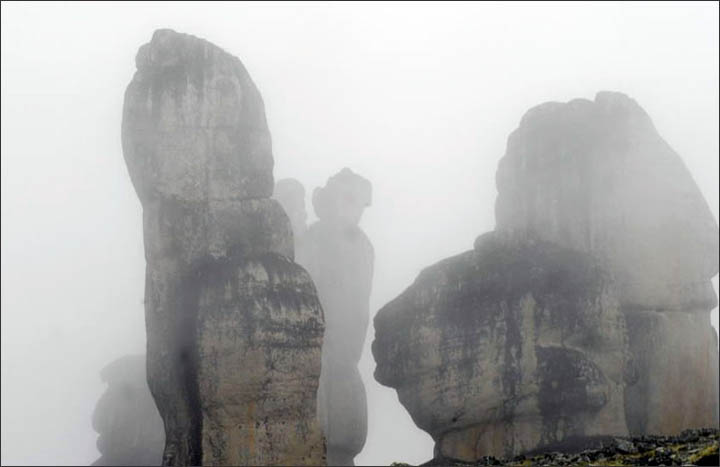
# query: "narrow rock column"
221,288
597,177
339,257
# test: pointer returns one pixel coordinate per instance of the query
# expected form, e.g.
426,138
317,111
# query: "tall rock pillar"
340,257
234,326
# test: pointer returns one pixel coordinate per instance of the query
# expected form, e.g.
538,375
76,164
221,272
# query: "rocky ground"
691,447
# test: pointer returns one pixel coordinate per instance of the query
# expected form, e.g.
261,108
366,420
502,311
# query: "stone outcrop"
513,345
126,419
691,447
339,257
291,195
234,326
597,177
586,313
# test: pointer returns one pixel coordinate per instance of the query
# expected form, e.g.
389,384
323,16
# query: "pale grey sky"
419,98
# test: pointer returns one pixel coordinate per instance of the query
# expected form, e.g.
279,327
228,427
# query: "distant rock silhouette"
129,426
234,326
339,257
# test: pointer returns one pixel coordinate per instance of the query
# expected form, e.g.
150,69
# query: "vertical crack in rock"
234,326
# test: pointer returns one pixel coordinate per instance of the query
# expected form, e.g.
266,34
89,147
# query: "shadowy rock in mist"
339,257
234,327
130,429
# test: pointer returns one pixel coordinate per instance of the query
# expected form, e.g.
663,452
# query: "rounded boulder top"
194,125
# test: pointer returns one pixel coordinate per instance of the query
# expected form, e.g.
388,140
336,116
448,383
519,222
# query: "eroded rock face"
129,426
596,176
339,257
506,348
198,150
267,370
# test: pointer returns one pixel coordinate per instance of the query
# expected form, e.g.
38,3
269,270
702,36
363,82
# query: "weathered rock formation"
597,177
234,326
339,257
585,313
126,419
691,447
291,195
511,346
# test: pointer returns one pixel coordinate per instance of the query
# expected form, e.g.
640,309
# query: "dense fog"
417,98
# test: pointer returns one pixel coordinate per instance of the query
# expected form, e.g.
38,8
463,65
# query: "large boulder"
129,426
596,176
198,150
339,257
512,346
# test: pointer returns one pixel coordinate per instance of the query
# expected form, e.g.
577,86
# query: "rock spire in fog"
339,257
234,326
